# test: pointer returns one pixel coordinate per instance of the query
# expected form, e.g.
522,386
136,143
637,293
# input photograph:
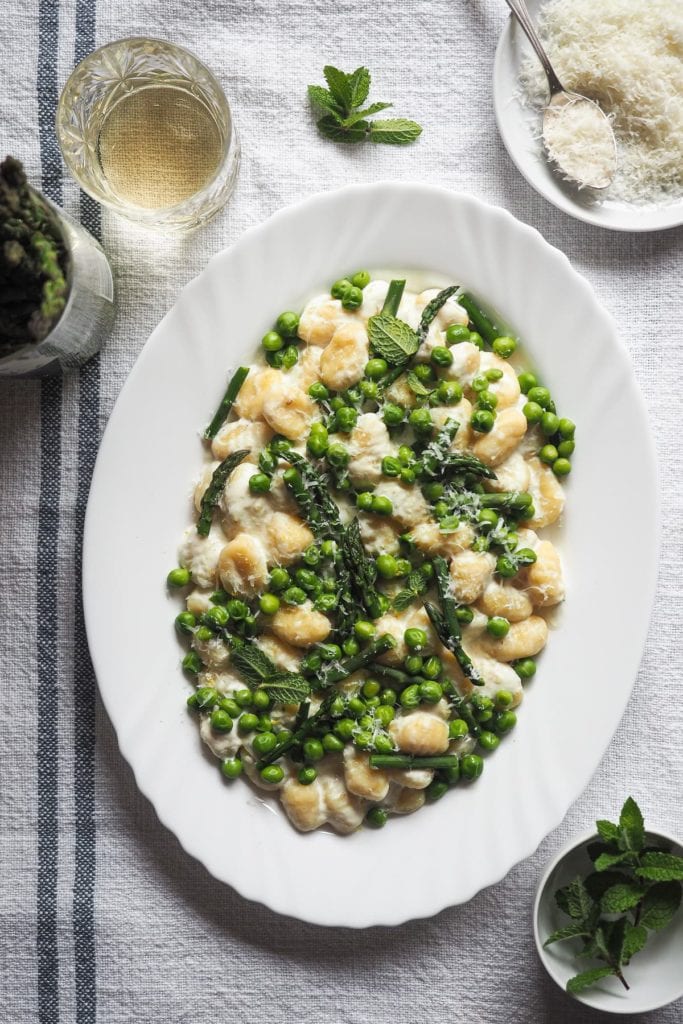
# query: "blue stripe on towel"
47,567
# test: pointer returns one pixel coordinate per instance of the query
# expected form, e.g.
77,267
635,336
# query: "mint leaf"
359,86
416,385
631,829
323,98
607,831
358,115
391,338
621,897
608,860
287,688
339,85
599,882
660,904
396,131
577,900
635,937
330,127
570,931
660,867
253,664
587,978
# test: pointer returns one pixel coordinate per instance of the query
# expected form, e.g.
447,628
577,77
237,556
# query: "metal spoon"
561,101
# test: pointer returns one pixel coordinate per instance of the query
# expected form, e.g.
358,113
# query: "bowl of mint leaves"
608,921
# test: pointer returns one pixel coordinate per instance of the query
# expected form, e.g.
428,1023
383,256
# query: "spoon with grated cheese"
577,135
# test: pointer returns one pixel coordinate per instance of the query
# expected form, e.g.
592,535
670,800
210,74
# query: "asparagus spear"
482,323
350,665
407,762
446,623
393,297
236,381
431,310
213,491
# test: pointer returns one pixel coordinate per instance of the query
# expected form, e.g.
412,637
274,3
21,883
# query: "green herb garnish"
345,119
636,884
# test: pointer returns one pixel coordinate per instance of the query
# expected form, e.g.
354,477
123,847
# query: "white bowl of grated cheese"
628,58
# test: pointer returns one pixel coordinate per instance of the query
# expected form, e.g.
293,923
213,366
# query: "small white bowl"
655,974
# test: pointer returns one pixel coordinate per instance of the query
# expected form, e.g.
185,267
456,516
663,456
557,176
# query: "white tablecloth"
103,917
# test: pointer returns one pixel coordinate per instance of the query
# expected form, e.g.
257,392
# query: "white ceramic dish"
519,128
654,974
139,505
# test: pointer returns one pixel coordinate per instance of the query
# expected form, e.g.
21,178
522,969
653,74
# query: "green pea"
413,664
406,455
221,720
432,668
376,368
346,419
361,279
353,298
232,768
566,448
364,501
548,453
265,723
433,491
350,646
204,633
363,739
272,341
219,597
243,698
248,722
179,577
403,567
264,743
325,603
381,506
549,423
471,766
476,340
338,455
330,652
421,422
391,466
344,728
376,817
506,567
383,744
408,475
457,729
203,698
317,440
294,595
328,549
387,566
457,333
487,400
260,700
488,740
415,639
192,663
340,288
307,775
494,374
525,668
504,721
279,579
435,790
449,392
424,373
464,615
363,629
562,467
331,743
393,414
533,412
479,383
384,714
441,356
388,696
237,609
337,403
498,626
185,622
482,421
230,706
503,699
318,392
526,382
410,697
307,579
540,395
287,324
504,347
313,749
566,428
487,519
272,773
431,691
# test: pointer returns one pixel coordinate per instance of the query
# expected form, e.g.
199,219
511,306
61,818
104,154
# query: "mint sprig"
612,911
345,119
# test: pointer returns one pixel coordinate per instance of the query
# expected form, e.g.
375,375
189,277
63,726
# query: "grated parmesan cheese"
580,140
627,55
